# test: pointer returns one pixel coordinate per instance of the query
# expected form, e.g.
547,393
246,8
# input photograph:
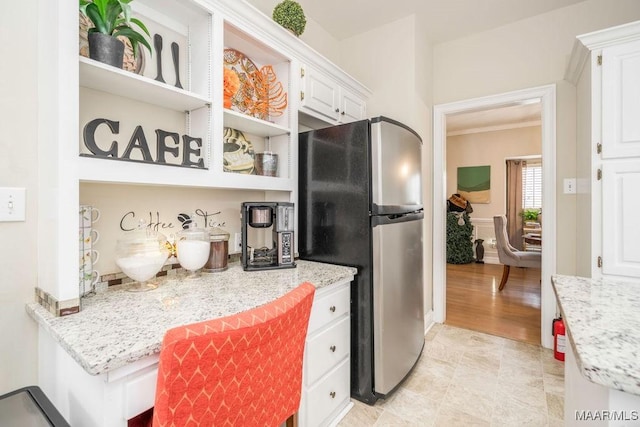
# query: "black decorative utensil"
175,53
157,42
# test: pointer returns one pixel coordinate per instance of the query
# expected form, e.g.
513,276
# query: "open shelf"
105,78
252,125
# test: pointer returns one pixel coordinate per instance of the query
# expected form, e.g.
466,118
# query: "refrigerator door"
335,227
397,298
395,166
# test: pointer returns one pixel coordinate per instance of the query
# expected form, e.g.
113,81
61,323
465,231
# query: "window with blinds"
532,185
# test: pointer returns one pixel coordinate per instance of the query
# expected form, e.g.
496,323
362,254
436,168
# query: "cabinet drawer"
329,307
326,397
139,394
326,349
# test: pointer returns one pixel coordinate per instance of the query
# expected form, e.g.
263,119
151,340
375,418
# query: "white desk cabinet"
126,387
326,375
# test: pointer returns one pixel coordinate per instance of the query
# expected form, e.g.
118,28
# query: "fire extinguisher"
559,339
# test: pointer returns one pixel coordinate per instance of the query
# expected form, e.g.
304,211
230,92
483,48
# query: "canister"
219,241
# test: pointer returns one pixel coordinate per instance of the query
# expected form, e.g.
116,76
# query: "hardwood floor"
474,302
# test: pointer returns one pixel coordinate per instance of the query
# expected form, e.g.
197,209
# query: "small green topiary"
290,15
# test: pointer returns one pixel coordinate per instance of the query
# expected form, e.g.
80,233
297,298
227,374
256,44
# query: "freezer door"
395,164
398,313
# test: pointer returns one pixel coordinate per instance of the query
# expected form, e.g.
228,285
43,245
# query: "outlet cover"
12,204
237,243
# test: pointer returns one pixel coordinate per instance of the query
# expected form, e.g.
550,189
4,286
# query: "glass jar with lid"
192,249
140,254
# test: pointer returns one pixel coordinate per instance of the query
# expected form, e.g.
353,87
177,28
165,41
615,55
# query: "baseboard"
428,321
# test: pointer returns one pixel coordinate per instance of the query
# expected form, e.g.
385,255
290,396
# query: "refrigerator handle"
396,218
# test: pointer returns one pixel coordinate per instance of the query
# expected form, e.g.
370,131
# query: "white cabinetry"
145,129
324,97
326,375
112,398
590,404
605,66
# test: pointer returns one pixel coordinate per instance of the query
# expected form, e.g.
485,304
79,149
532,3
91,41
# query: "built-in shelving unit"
130,111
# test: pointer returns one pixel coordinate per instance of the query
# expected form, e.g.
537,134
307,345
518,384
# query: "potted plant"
112,19
530,214
290,15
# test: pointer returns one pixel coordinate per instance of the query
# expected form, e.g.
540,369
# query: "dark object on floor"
29,406
479,251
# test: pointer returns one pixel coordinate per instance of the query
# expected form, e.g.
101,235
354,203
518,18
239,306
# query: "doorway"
546,96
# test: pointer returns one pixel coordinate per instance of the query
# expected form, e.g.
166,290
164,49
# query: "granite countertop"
603,318
119,327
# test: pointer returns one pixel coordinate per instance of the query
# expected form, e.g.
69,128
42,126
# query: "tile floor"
467,378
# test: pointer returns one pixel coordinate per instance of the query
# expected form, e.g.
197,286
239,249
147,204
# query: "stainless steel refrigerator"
360,204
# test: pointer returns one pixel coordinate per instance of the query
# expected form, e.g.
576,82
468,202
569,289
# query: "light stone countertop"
118,327
603,318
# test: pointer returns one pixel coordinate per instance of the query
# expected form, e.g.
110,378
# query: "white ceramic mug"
88,282
90,236
88,215
89,257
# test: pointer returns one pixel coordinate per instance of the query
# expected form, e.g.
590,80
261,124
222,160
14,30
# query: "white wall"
530,53
314,35
490,148
18,155
158,205
395,62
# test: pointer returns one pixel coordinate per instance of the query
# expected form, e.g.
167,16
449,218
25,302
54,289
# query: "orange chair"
241,370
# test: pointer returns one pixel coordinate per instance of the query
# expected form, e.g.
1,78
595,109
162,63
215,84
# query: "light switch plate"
570,186
12,204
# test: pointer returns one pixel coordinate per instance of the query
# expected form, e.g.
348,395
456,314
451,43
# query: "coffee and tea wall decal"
157,222
168,145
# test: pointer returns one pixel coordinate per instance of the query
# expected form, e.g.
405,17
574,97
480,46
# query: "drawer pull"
332,309
332,394
332,348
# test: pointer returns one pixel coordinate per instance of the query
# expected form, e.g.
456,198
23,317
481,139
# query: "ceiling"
444,19
497,118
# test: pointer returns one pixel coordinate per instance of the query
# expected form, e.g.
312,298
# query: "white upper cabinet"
324,97
620,225
621,100
605,66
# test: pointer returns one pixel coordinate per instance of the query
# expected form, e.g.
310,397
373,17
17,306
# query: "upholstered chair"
510,256
241,370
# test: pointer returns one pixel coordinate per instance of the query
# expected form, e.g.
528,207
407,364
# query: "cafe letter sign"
187,148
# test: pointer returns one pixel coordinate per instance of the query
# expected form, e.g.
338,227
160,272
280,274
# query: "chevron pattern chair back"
242,370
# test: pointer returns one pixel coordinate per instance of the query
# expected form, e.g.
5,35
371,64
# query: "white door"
620,225
621,100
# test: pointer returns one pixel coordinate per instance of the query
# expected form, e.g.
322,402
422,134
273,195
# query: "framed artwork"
474,183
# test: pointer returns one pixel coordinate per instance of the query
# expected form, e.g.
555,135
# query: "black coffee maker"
262,250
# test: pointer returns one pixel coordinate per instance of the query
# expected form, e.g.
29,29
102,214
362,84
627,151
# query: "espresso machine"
262,250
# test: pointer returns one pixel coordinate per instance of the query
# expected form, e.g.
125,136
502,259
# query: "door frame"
547,96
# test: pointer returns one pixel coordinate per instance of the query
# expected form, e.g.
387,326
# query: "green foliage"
113,18
530,214
290,15
459,244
